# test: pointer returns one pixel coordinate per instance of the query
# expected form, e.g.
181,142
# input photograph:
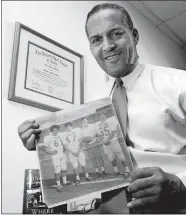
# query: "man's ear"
136,36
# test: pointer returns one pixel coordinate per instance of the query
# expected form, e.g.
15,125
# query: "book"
33,201
82,152
32,196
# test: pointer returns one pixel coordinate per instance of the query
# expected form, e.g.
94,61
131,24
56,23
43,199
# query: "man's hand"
151,187
28,132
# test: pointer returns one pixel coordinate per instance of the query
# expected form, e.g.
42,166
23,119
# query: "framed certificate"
44,73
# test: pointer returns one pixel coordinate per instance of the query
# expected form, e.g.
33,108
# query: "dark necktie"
117,204
119,99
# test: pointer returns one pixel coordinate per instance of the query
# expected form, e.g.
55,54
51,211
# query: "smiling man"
112,39
150,103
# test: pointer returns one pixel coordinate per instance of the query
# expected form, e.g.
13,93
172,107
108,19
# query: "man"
93,147
73,145
53,146
156,99
156,106
108,129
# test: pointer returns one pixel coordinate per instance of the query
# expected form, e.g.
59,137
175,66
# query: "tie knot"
118,82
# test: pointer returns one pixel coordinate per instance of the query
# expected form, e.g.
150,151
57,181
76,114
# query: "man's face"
69,128
55,131
85,123
103,117
111,42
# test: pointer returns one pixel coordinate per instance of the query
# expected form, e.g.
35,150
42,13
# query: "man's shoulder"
47,138
97,123
77,130
62,135
165,76
91,126
166,71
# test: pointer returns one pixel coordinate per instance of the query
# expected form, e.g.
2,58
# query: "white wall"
63,22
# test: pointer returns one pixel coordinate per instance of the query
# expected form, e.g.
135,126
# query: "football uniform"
93,148
73,141
59,159
112,147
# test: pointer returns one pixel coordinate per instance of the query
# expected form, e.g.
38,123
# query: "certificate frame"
60,69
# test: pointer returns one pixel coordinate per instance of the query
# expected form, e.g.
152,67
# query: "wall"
63,22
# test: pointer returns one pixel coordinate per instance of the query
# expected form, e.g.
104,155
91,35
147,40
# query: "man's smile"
112,57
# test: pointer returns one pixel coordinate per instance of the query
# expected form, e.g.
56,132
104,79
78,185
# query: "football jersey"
54,143
105,128
91,132
72,139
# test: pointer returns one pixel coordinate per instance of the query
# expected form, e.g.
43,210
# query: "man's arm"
47,150
79,147
151,186
114,126
182,102
112,134
67,149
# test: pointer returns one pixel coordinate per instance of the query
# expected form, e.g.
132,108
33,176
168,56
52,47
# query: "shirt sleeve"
182,100
78,133
113,123
97,128
62,137
182,177
45,142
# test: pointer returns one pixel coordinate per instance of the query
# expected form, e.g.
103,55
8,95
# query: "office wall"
64,22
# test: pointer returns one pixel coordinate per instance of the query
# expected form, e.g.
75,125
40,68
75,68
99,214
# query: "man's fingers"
27,121
142,183
143,173
26,135
151,191
22,128
31,144
142,201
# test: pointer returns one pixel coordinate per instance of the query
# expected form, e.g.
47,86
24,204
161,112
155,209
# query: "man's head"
68,126
84,122
54,129
102,116
112,38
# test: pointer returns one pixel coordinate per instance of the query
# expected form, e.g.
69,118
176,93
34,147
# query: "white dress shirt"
157,116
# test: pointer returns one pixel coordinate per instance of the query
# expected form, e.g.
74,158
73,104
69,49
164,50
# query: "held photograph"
81,152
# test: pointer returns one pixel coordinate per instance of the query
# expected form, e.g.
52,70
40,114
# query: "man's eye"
117,34
95,41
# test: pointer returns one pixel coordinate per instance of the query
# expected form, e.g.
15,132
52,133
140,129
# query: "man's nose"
108,45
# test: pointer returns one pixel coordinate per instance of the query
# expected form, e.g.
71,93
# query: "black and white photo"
85,154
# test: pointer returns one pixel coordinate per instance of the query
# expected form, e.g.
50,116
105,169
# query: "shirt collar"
129,80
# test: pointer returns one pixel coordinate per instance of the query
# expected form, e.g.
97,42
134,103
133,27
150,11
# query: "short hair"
127,19
53,127
68,123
